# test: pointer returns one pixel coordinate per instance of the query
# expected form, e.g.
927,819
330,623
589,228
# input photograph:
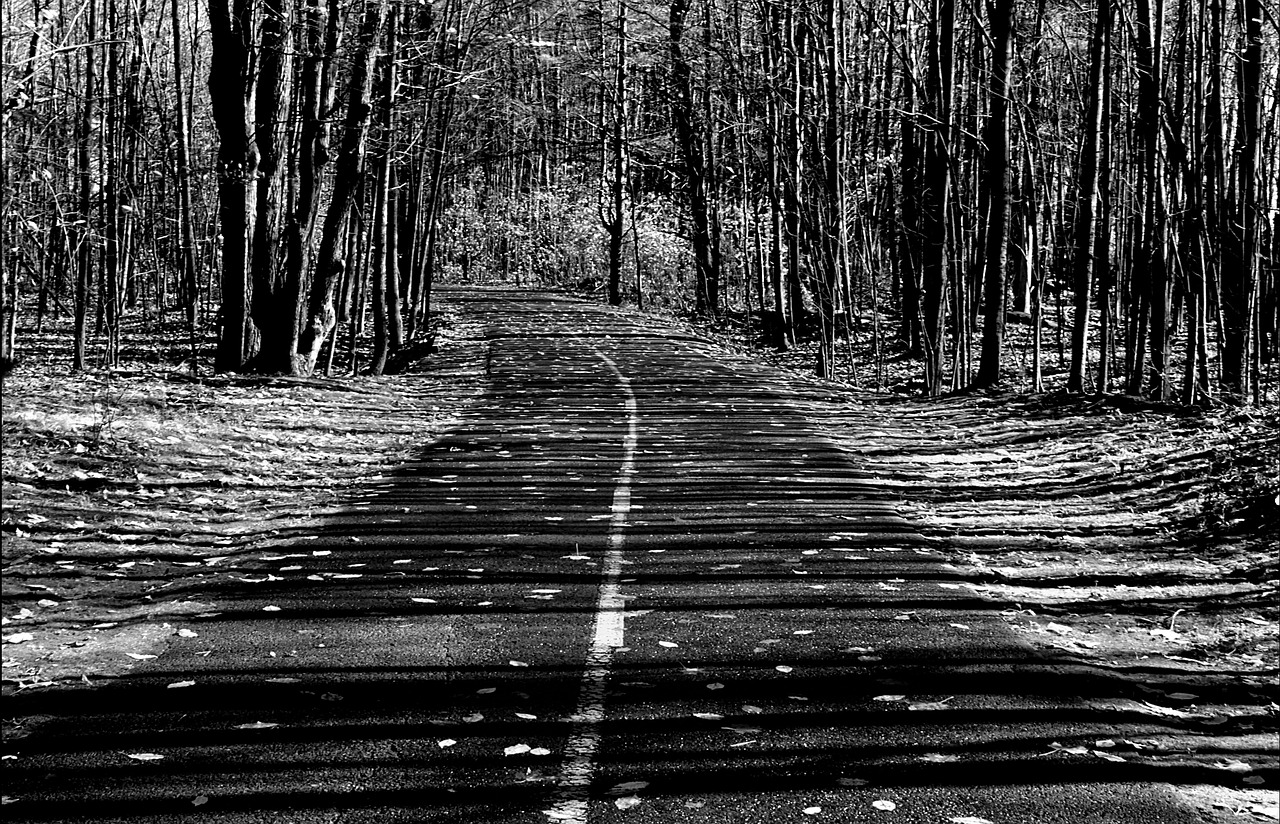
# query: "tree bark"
1087,200
1000,14
348,171
231,81
690,142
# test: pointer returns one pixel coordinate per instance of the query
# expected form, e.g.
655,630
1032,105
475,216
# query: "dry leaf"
811,810
138,656
889,698
627,787
969,819
668,644
627,802
180,684
883,804
257,725
517,749
445,743
939,758
146,756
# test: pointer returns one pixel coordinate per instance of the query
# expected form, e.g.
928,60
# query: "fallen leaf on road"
517,663
627,787
1106,756
517,749
969,819
138,656
1182,696
423,600
257,725
783,668
560,815
473,719
882,804
526,716
19,638
668,644
939,758
271,608
539,751
708,716
186,633
627,802
199,801
284,680
1234,766
177,685
715,685
930,705
811,810
445,743
486,691
1056,747
889,698
146,756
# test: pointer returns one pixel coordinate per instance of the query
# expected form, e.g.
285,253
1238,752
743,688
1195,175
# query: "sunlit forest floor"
1132,540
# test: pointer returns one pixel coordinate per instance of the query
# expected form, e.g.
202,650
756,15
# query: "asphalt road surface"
635,585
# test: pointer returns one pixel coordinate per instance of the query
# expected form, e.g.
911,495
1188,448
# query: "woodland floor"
1133,540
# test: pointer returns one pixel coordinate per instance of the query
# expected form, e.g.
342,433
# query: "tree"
1000,16
1086,203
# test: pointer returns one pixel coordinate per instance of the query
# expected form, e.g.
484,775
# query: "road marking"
574,784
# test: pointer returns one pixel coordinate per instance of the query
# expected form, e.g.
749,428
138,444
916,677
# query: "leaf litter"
140,477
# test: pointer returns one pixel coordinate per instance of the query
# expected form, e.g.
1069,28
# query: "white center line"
574,784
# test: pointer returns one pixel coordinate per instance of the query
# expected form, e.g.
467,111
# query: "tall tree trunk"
348,171
231,82
322,29
1239,275
691,144
273,308
190,278
1087,200
936,198
996,183
615,212
90,132
1151,250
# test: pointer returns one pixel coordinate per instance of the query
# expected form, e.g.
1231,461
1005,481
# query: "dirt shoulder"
127,493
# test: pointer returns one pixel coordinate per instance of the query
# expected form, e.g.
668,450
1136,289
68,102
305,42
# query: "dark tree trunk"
996,184
691,140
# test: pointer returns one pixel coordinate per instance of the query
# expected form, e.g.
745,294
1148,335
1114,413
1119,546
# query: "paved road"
635,584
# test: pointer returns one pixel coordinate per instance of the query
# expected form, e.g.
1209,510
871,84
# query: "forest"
1043,194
